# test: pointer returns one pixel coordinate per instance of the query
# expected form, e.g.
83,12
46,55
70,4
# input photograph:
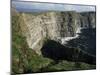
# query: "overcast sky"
50,6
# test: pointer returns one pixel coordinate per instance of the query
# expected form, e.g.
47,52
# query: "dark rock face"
88,19
56,51
86,41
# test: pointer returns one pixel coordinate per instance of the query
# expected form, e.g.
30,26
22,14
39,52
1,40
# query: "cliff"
36,33
88,19
53,25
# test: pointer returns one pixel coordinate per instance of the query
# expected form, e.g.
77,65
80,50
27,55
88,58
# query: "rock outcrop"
54,25
88,19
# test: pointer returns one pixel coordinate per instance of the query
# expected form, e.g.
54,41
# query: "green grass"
24,59
68,66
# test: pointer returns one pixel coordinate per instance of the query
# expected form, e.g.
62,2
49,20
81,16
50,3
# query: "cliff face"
88,19
53,25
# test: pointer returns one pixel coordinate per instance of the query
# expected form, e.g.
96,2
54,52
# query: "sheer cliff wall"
53,25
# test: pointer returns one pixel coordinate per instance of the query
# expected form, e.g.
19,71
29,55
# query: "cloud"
52,6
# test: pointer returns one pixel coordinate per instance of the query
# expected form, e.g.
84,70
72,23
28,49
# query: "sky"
36,6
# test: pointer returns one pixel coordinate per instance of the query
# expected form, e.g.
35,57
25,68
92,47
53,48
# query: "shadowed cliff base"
56,51
86,41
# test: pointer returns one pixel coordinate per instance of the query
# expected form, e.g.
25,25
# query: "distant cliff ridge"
54,25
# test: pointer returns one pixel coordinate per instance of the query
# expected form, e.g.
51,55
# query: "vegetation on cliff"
24,59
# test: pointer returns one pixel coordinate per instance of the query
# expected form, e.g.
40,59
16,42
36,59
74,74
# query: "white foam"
64,39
